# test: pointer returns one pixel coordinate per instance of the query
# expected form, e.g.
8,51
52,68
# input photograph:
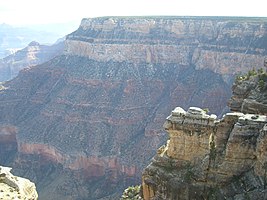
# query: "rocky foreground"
210,158
14,187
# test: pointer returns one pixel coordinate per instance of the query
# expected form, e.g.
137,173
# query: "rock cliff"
223,45
84,124
13,187
206,158
33,54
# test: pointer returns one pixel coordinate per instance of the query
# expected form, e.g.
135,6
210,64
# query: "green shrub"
131,193
206,110
252,73
260,71
263,77
261,84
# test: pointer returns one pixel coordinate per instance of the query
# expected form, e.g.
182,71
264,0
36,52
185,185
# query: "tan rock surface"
14,187
203,152
203,42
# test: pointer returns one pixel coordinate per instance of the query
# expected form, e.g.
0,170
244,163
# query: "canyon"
84,124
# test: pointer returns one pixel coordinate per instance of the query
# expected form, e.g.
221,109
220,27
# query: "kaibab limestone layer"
84,124
206,158
224,45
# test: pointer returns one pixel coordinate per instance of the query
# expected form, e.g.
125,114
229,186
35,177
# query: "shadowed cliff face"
8,143
90,119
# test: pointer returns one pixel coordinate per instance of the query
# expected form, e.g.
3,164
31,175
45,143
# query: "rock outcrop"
87,122
249,93
33,54
14,187
206,158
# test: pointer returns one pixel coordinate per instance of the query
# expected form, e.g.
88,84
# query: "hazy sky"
25,12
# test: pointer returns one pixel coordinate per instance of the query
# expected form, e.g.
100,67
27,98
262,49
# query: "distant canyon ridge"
84,124
33,54
14,38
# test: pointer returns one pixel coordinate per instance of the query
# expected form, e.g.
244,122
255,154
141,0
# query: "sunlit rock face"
223,45
90,119
208,158
214,158
14,187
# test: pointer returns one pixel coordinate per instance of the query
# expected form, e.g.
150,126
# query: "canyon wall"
223,45
88,121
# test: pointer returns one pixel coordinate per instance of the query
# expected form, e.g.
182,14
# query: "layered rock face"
13,187
224,45
33,54
88,121
207,158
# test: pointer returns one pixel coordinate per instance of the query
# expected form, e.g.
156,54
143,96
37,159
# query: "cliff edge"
210,158
13,187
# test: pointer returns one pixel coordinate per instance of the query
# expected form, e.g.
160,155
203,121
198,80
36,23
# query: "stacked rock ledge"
209,158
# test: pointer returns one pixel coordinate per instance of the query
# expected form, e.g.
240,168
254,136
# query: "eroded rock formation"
206,158
14,187
88,121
